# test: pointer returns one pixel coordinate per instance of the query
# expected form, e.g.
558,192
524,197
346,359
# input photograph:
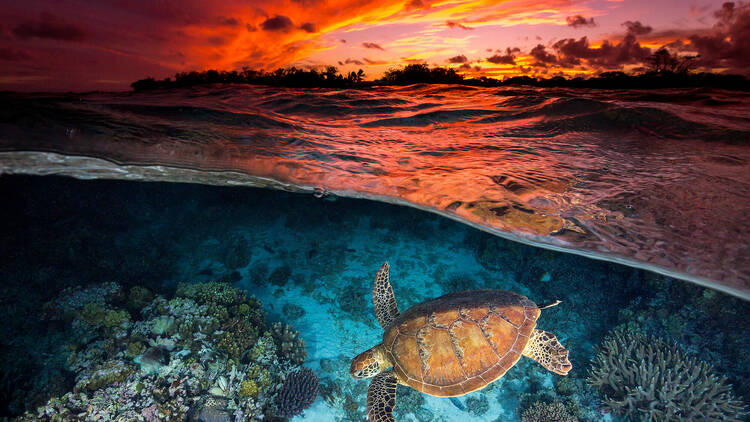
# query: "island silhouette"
663,70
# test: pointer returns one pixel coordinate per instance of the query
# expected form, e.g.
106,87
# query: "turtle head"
369,363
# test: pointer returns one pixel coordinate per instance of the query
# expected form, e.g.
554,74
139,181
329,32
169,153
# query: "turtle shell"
460,342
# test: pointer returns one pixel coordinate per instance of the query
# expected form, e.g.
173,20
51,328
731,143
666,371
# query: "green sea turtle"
452,345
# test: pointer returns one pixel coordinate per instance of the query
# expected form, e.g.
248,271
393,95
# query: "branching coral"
645,378
547,412
288,343
297,393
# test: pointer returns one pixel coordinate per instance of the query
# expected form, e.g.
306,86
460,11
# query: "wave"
657,179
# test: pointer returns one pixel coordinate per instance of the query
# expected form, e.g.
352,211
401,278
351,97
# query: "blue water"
311,262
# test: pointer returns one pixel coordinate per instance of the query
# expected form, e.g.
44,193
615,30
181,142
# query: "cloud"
374,62
452,24
637,28
277,23
51,27
507,58
230,22
308,27
458,59
372,45
609,55
251,28
542,56
729,44
578,21
351,61
13,55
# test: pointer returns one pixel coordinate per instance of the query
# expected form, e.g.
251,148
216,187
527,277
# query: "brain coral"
645,378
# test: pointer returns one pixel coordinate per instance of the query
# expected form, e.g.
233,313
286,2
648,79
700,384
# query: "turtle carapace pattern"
452,345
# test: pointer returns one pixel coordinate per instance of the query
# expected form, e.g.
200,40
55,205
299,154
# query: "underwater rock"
644,377
292,311
280,276
237,253
297,393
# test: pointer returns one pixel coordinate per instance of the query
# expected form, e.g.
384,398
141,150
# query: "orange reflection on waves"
647,176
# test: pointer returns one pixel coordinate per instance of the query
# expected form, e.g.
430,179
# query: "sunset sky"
105,45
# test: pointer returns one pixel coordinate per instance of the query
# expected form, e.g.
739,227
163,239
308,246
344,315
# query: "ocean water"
124,300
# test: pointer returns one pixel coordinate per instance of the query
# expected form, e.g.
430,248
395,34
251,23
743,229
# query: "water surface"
654,179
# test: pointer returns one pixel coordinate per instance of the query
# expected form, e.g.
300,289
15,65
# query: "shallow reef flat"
177,302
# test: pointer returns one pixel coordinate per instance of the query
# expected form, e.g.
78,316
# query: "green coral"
239,334
261,376
135,348
106,374
114,318
249,388
264,349
93,313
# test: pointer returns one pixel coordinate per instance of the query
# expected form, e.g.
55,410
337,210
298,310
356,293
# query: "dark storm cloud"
374,62
452,24
225,21
729,44
50,26
458,59
578,21
507,58
637,28
372,45
609,55
13,55
277,23
351,61
465,66
308,27
542,56
251,28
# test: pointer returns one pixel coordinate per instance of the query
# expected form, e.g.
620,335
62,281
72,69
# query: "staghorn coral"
547,412
645,378
297,393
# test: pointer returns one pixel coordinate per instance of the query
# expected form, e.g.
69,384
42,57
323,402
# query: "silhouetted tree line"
291,77
664,70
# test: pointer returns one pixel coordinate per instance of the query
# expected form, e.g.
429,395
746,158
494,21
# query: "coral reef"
197,356
643,377
547,412
297,393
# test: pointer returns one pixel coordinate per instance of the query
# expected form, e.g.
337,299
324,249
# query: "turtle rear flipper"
386,310
381,397
544,348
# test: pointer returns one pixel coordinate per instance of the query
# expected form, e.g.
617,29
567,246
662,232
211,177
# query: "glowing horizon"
46,45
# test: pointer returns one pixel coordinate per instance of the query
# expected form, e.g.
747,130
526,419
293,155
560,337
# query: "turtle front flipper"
381,397
544,348
386,310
